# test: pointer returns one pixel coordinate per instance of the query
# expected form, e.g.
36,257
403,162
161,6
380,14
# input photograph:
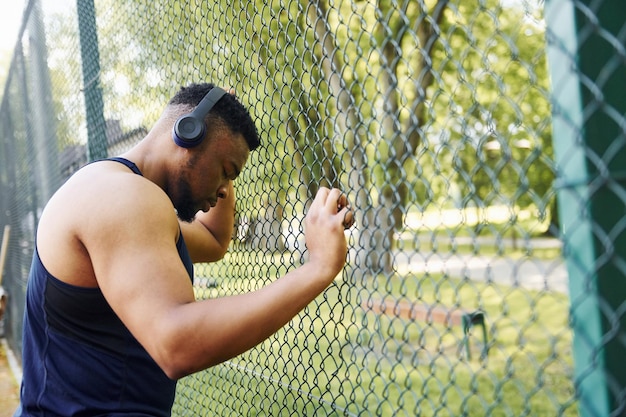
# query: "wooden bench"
432,314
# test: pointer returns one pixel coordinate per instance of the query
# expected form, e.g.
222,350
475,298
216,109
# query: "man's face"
207,173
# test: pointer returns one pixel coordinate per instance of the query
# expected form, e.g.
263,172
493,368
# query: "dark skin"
110,228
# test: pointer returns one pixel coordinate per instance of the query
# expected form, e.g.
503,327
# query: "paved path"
526,272
531,273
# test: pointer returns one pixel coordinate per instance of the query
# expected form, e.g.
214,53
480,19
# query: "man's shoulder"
110,181
111,194
99,210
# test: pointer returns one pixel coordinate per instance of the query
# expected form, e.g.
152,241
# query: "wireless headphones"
190,129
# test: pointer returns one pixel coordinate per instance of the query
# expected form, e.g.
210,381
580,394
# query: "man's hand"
329,215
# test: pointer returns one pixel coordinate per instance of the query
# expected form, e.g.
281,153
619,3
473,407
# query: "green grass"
339,358
336,358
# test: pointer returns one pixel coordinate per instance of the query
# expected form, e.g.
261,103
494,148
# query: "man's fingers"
343,206
336,203
321,196
348,217
334,199
342,201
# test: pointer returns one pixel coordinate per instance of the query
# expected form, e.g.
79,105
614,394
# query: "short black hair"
228,109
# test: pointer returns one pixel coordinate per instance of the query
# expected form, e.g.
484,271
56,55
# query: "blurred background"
480,141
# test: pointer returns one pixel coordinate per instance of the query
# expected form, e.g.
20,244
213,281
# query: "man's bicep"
137,265
144,285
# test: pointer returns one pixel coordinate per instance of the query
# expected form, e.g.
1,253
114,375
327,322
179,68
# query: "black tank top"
79,358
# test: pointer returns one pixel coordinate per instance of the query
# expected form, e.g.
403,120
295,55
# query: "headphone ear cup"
190,128
188,131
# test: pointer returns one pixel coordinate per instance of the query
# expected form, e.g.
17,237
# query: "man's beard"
185,209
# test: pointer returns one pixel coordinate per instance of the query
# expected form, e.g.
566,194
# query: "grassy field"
339,358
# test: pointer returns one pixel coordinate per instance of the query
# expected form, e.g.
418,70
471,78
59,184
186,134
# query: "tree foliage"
403,103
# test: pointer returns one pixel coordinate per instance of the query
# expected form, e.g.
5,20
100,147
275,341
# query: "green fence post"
589,104
90,55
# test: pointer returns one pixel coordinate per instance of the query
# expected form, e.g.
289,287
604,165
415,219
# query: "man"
111,321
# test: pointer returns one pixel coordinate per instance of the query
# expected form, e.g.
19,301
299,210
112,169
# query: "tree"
393,100
496,95
404,37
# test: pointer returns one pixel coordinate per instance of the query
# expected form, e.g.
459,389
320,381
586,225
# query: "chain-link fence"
466,292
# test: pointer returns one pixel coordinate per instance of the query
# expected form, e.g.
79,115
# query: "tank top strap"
131,165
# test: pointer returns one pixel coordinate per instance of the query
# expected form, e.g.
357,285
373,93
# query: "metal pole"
43,127
90,54
23,199
589,104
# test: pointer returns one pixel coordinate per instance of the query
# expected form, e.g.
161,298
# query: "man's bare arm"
147,287
209,235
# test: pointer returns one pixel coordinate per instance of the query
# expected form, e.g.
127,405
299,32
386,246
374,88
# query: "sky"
10,21
11,15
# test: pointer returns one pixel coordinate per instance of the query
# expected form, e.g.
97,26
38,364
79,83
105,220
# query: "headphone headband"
207,102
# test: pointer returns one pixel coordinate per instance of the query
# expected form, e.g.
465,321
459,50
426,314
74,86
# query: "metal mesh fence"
466,292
